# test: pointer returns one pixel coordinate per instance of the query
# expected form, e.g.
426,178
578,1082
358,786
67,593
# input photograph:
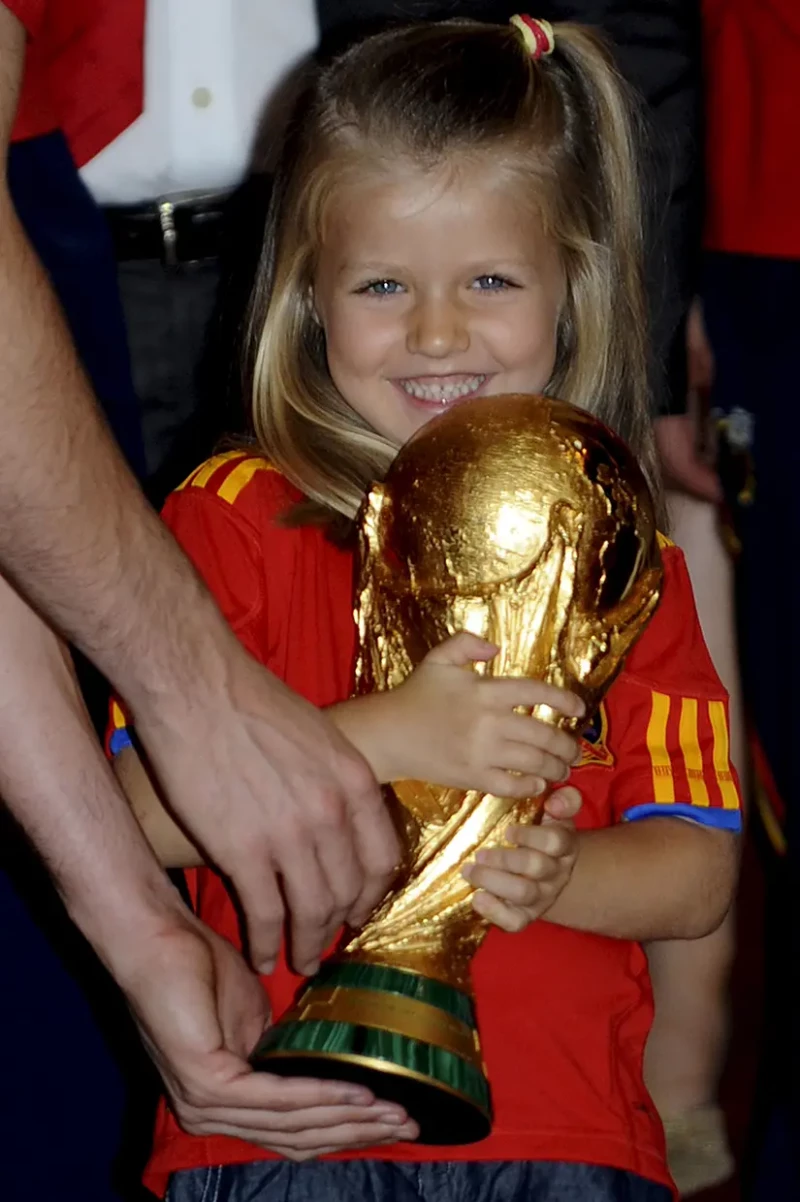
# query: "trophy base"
409,1039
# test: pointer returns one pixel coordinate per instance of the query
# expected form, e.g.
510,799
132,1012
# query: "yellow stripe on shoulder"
233,471
240,477
201,475
663,541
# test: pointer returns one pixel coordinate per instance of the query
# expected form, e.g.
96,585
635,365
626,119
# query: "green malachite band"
410,1055
397,980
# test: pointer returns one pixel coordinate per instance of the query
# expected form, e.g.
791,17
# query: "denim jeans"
392,1181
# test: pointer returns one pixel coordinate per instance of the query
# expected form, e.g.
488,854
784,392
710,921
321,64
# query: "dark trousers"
388,1181
70,1061
752,306
185,332
70,236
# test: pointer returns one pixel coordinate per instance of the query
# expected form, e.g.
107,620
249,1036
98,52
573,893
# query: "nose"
437,328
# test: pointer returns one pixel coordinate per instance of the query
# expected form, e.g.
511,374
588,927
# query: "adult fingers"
293,1122
376,844
309,1143
260,897
310,903
233,1085
405,1136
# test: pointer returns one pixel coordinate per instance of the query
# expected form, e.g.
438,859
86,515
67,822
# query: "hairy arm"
80,542
657,878
77,536
55,781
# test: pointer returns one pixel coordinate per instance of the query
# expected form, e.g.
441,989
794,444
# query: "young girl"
455,215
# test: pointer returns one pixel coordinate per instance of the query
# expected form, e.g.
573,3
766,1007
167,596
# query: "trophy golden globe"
527,522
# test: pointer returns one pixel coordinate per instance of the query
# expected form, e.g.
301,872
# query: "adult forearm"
660,878
77,536
54,779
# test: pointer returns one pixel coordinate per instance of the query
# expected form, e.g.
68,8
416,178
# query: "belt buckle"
169,234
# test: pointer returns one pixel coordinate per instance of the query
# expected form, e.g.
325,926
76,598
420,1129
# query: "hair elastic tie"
538,36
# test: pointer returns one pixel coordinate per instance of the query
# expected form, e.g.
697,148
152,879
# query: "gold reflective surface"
527,522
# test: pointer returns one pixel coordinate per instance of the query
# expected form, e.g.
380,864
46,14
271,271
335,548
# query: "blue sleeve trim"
119,741
723,820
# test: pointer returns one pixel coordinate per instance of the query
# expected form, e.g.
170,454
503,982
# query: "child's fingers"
516,757
462,649
562,805
531,864
508,692
530,732
519,785
553,839
513,887
500,913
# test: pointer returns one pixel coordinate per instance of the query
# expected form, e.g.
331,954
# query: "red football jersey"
752,61
84,70
563,1015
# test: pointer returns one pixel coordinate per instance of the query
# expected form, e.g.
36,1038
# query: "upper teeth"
441,392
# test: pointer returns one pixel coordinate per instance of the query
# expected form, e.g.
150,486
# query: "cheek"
527,337
357,342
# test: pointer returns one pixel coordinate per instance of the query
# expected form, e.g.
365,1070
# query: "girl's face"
431,288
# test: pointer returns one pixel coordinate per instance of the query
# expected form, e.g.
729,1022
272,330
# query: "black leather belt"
176,231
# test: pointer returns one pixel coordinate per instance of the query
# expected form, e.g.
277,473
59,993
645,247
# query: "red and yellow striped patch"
227,474
688,744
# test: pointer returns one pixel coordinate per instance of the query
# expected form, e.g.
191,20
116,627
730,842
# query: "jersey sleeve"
30,13
670,713
223,543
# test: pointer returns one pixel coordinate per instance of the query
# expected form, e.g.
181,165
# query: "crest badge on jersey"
594,742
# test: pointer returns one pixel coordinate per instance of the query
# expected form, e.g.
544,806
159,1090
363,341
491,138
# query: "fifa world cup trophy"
527,522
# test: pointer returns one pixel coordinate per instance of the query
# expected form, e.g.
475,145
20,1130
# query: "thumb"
462,649
562,805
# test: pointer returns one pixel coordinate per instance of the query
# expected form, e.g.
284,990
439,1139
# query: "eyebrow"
482,266
358,268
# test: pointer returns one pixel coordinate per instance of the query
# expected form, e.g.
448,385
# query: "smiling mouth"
443,390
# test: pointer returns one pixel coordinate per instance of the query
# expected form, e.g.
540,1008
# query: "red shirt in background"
563,1015
752,55
84,70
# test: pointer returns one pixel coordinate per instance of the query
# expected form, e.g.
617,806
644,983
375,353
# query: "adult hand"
683,467
200,1011
678,435
280,802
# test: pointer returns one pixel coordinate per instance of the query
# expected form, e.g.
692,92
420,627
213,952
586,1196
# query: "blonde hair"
427,93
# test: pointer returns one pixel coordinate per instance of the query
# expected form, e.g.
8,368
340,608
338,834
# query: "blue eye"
492,283
381,288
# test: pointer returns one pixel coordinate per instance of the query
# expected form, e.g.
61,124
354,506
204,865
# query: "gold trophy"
527,522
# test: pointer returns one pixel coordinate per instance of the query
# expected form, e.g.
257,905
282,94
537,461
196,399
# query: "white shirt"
210,68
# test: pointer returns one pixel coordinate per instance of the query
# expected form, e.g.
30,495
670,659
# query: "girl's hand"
448,725
518,884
